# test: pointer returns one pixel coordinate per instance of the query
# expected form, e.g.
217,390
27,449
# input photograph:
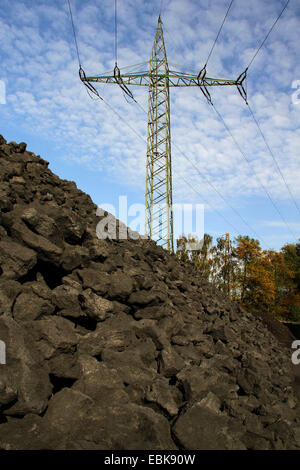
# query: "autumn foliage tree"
261,280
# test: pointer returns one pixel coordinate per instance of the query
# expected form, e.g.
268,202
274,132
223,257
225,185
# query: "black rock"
115,344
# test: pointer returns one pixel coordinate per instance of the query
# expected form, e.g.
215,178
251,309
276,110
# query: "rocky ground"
114,344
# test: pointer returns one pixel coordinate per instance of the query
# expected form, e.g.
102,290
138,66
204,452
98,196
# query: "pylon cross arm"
175,79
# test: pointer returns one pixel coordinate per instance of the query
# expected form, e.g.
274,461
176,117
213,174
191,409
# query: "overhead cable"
212,185
253,171
73,27
274,159
220,29
270,30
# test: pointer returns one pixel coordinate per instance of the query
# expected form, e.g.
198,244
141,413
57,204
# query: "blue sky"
84,141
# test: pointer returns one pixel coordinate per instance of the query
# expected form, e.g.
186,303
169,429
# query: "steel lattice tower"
158,79
159,214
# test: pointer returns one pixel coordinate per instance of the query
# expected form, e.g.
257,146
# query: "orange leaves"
262,280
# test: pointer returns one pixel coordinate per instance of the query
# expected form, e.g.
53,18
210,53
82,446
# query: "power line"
212,186
274,159
182,153
89,87
117,74
187,183
202,176
209,204
93,90
119,116
116,34
73,27
219,193
141,137
144,141
220,29
253,171
181,177
271,29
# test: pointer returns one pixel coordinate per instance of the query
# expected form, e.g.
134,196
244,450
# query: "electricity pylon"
158,79
227,251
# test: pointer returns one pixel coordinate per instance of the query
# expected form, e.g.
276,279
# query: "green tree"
224,264
197,252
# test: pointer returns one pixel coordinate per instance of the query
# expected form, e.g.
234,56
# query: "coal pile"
115,344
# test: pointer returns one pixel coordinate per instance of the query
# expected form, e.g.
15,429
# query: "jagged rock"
52,334
46,250
65,297
121,286
172,322
67,408
145,297
201,428
100,382
166,397
9,290
116,333
30,433
29,306
152,312
98,249
97,280
188,353
115,344
150,329
253,441
211,402
74,257
143,351
8,390
126,426
42,224
95,306
15,260
171,363
71,226
64,365
25,381
136,378
199,380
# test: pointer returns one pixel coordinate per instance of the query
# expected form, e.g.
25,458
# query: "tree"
224,264
261,280
197,252
203,259
289,284
246,252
